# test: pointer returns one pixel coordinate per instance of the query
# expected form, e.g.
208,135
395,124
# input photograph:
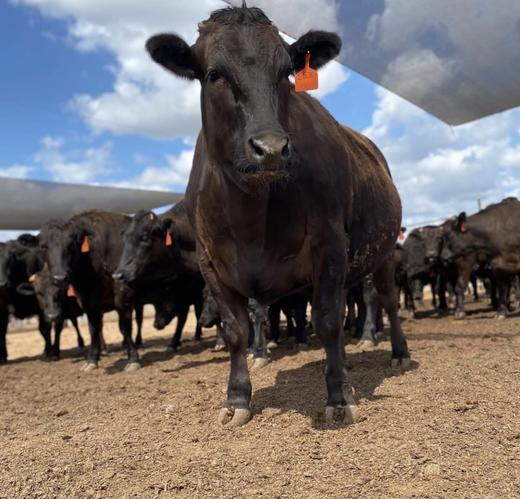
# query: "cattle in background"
159,263
84,252
210,316
294,307
281,197
18,261
489,239
56,303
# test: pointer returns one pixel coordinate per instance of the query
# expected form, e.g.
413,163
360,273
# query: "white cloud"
440,170
16,171
173,176
65,164
145,99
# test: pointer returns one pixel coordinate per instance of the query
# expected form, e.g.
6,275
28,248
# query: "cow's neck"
246,213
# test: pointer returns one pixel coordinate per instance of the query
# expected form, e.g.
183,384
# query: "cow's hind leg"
371,301
385,285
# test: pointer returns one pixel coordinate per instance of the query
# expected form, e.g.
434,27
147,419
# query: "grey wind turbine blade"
27,204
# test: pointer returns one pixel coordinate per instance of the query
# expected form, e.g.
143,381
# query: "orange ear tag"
464,227
85,246
70,291
307,78
168,239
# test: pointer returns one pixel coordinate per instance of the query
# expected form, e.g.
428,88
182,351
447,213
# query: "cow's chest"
263,262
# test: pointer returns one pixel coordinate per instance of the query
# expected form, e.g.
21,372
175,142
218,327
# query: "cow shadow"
302,389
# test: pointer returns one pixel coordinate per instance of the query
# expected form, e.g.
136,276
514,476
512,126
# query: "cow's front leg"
371,300
460,290
235,319
258,313
95,326
125,326
328,305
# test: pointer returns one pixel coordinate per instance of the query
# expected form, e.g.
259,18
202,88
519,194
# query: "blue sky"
81,102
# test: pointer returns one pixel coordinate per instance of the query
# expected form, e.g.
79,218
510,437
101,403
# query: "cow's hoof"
89,366
460,315
500,317
259,363
250,356
403,362
272,344
301,346
366,345
344,414
379,336
219,345
173,347
132,366
233,418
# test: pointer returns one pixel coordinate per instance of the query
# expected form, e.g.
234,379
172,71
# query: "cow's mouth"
258,174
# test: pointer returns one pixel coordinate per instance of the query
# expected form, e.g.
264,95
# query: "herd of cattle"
98,261
282,203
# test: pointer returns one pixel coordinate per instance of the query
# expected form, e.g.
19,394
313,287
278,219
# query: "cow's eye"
213,75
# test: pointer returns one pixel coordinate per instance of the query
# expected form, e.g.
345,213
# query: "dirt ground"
447,427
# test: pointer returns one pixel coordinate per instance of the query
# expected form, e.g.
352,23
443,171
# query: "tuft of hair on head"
240,15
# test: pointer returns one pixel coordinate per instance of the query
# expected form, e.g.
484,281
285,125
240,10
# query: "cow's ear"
26,289
174,54
462,223
322,45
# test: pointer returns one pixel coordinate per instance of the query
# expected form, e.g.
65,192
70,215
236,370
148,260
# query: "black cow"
159,262
281,197
18,261
84,252
489,239
57,304
294,307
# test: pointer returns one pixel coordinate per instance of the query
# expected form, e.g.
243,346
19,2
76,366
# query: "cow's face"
62,246
165,312
456,238
243,66
144,245
432,237
49,295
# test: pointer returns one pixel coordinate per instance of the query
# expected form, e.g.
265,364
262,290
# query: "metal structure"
27,204
458,60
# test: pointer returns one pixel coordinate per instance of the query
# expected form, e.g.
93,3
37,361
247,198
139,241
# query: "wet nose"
3,283
59,277
270,148
118,275
52,316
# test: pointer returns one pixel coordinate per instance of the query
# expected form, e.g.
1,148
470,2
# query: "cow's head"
148,240
165,312
456,237
47,293
62,243
243,66
432,240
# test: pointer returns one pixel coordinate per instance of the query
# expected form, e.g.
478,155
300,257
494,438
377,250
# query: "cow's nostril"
257,148
117,275
286,152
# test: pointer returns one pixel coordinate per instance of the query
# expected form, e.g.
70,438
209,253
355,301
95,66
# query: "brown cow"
281,197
